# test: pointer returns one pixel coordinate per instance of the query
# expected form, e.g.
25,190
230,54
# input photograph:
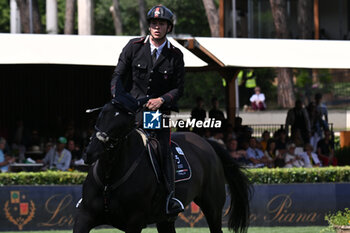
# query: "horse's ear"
125,100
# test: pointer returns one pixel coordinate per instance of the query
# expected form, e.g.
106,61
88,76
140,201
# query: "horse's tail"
240,190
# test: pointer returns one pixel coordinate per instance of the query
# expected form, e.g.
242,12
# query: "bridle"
110,142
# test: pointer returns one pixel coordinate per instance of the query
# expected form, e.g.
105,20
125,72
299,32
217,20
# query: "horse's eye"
116,114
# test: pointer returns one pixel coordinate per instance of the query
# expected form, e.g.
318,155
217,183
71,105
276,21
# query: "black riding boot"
173,205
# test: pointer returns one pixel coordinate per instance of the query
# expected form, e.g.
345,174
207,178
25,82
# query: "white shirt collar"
159,49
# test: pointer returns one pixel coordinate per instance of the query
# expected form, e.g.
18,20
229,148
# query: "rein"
110,143
107,188
119,182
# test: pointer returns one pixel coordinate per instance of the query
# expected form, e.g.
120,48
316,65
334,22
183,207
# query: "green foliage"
4,17
130,17
304,77
341,89
190,16
299,175
265,79
341,218
256,176
324,76
103,18
42,178
307,229
204,84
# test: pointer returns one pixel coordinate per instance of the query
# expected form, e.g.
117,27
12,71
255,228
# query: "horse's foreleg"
166,227
83,223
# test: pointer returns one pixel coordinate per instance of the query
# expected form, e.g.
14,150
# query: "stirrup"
176,205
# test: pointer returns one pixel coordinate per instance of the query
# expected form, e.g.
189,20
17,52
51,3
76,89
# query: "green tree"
4,17
204,84
190,17
103,18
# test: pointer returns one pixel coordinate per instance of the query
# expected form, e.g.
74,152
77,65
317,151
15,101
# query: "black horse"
122,190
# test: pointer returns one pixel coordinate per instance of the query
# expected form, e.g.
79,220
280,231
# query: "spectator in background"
207,133
265,137
74,150
298,141
311,111
229,132
199,114
291,159
325,150
58,157
238,129
240,156
281,141
321,121
218,136
71,133
310,158
246,84
271,153
258,100
19,134
48,147
255,155
33,139
242,132
215,112
5,160
298,119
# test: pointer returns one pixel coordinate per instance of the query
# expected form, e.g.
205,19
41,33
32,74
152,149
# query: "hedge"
256,176
299,175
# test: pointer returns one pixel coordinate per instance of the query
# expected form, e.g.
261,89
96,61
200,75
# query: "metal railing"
258,129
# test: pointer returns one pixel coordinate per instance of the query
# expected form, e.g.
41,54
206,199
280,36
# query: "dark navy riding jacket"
141,78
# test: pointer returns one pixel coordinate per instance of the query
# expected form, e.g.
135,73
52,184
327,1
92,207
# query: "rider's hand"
154,104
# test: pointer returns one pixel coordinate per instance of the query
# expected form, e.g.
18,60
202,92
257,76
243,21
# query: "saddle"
183,170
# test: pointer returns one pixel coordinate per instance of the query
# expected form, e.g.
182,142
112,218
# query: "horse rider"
152,67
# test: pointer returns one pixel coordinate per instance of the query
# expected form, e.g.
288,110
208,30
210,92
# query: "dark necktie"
154,56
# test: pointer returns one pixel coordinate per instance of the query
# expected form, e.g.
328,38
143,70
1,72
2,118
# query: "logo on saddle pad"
152,120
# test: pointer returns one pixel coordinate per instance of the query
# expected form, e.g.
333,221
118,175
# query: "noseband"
110,142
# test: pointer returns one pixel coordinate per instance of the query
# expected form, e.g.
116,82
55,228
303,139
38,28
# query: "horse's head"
113,124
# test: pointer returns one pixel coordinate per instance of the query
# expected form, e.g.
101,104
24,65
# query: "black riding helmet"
161,12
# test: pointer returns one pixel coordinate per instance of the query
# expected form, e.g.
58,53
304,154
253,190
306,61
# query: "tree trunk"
69,23
305,25
285,90
213,17
117,18
23,6
36,17
142,18
279,14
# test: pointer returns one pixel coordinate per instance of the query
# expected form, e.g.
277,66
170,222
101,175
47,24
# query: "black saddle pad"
182,167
